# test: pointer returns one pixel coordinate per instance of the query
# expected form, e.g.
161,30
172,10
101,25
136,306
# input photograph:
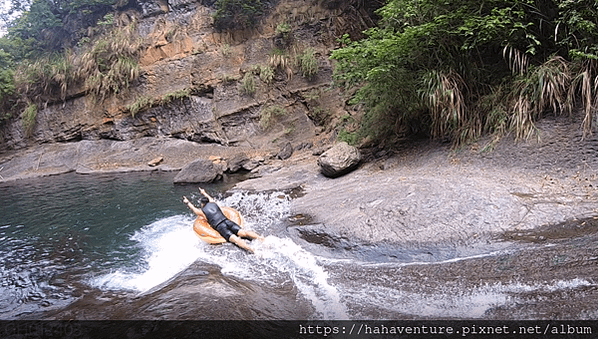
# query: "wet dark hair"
204,200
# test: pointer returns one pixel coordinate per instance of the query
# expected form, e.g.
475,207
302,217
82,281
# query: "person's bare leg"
241,243
250,234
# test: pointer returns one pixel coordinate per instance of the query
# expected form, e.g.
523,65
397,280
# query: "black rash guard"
213,214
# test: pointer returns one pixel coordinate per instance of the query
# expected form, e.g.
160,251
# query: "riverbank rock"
155,162
339,160
237,162
285,152
199,171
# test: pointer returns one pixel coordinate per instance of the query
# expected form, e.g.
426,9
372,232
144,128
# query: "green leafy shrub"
283,35
266,74
7,84
248,83
283,29
351,138
462,68
50,26
308,63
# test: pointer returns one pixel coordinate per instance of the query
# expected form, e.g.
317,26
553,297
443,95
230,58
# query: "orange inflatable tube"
206,233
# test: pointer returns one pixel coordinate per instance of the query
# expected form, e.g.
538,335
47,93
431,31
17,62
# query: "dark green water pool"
59,233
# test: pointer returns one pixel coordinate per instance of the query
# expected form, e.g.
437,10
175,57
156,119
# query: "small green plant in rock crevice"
308,64
283,29
28,118
283,35
266,74
144,103
176,95
141,104
269,113
226,50
248,83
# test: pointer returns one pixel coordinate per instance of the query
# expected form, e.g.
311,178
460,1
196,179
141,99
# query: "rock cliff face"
207,83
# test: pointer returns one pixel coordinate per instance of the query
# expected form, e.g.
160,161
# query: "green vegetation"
228,78
454,70
37,64
308,63
266,74
284,29
144,103
269,113
347,130
107,66
28,119
51,25
110,64
7,86
226,51
248,83
462,69
176,95
283,32
237,14
351,138
141,104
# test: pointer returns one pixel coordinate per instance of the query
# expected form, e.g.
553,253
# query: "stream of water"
122,247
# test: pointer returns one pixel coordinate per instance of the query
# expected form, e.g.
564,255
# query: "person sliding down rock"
227,228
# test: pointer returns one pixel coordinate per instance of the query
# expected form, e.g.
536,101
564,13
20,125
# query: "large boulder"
199,171
339,160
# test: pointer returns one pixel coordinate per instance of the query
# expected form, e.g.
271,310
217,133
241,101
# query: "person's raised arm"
205,194
193,208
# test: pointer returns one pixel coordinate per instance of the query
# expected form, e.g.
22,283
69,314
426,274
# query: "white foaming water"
278,260
170,246
307,273
452,301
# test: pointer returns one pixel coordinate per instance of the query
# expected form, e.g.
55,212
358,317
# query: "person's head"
203,201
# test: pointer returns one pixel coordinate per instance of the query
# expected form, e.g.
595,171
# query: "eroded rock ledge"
110,156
